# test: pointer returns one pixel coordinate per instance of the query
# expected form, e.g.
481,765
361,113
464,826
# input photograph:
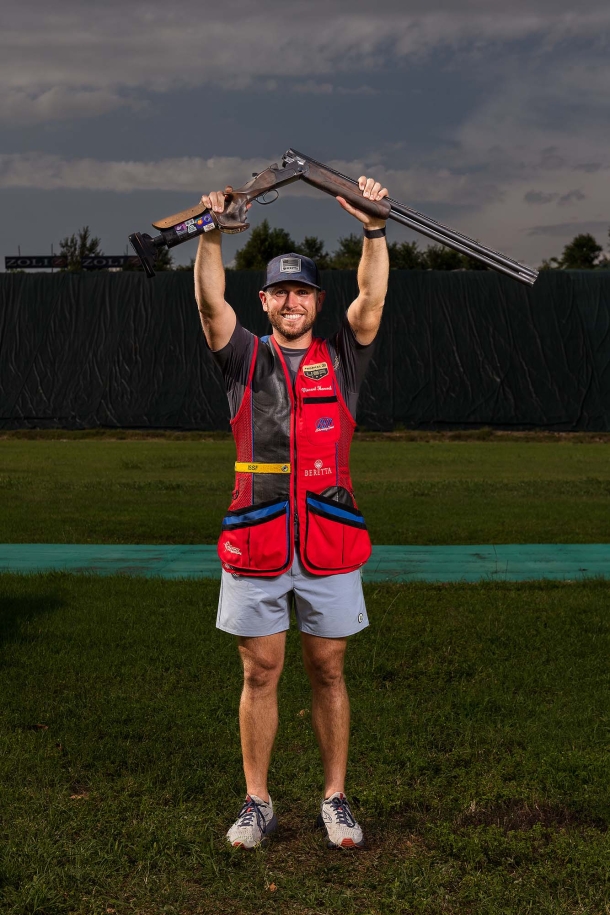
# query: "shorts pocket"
256,538
336,538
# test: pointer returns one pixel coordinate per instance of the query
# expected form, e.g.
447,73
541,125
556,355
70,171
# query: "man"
293,531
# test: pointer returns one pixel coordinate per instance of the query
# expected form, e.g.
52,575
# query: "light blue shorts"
331,606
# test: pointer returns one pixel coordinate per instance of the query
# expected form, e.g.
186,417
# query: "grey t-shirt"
293,360
350,362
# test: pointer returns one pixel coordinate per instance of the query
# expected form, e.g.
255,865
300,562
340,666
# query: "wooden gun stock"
181,227
233,218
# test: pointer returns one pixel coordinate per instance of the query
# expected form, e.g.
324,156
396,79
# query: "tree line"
265,243
582,253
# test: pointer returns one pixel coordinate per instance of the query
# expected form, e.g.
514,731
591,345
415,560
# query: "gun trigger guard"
266,203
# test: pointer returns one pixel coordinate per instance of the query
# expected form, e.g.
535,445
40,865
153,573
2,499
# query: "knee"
261,674
324,674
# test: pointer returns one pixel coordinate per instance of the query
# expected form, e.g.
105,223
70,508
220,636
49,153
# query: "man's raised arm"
217,317
364,314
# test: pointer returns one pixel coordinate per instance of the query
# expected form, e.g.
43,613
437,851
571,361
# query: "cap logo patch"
290,265
316,370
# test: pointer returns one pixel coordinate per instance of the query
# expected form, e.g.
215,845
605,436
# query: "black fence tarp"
455,350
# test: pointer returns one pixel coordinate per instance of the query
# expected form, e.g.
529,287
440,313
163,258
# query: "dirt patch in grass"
302,847
521,815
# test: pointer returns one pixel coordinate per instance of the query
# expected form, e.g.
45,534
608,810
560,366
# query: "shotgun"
176,229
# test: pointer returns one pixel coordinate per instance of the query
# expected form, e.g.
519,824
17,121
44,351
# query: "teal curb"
505,562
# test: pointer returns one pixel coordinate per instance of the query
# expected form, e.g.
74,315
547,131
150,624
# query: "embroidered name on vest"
316,371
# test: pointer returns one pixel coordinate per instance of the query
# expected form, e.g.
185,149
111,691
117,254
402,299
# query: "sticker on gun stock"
205,222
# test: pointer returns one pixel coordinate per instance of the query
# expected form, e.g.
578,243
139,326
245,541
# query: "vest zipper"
291,387
296,533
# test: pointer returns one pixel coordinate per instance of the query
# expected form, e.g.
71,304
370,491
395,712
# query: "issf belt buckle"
245,467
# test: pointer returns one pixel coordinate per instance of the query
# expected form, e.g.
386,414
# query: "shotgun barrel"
398,212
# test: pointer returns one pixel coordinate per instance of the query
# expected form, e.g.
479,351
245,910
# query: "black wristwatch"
374,233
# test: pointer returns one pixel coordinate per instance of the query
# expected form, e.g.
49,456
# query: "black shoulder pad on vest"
271,414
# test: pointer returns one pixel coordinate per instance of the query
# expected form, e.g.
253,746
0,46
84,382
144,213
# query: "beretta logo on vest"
319,470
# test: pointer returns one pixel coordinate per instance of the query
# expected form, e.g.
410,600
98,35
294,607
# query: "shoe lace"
342,812
247,813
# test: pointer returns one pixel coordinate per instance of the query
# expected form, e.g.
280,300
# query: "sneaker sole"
345,843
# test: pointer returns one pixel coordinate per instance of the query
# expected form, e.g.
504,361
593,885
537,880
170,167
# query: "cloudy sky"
490,116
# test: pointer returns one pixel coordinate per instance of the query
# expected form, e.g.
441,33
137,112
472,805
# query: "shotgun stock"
181,227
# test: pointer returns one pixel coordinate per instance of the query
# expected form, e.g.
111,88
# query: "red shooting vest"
306,431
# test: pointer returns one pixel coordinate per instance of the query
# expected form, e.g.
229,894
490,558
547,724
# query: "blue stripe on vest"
255,515
336,510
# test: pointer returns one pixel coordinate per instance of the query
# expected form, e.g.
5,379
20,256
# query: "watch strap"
374,233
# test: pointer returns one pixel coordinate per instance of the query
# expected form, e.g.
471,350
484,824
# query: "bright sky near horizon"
492,117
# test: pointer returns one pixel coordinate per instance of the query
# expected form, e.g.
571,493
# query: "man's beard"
276,321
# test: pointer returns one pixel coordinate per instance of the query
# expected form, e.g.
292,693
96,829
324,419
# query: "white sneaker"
254,825
342,830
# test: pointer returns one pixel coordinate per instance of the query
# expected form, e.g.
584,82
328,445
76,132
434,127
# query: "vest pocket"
320,418
256,538
336,538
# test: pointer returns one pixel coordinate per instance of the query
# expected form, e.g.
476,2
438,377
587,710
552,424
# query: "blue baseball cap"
293,268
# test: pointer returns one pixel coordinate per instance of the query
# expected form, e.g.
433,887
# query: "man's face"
292,308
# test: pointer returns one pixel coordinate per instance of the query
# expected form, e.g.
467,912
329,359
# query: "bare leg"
263,660
323,659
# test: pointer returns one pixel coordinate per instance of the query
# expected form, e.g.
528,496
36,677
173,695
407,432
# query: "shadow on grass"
19,611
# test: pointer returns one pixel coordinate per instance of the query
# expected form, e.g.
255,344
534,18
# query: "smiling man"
293,536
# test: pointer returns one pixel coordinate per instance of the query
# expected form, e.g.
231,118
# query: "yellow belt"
244,467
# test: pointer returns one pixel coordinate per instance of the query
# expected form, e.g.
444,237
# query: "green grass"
479,759
88,490
479,762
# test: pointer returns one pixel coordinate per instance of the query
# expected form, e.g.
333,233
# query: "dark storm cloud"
571,197
538,197
472,108
589,167
51,56
568,229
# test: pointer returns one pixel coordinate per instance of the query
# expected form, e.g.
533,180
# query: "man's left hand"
373,191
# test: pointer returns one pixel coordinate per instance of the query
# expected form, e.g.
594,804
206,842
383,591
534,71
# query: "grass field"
480,757
435,492
479,761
